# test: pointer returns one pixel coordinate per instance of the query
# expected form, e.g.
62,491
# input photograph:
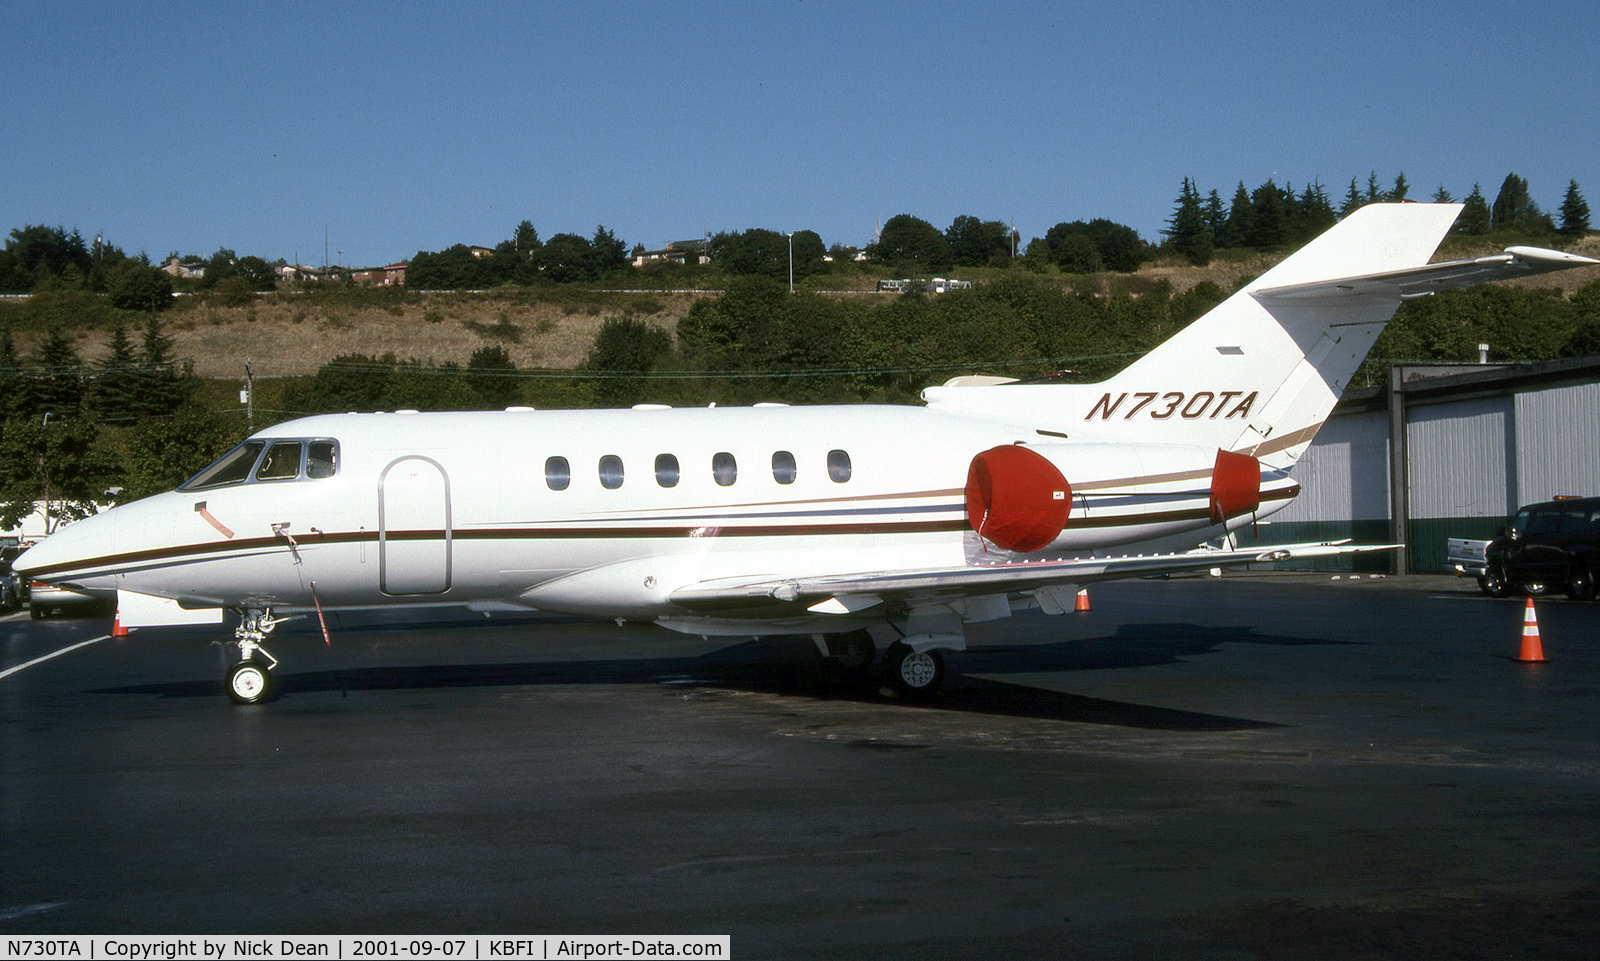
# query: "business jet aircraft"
868,527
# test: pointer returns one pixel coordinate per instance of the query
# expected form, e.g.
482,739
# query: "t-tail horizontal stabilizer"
1515,263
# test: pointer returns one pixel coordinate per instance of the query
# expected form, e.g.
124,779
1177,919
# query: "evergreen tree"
159,385
1514,209
610,252
1352,200
1188,232
1475,219
1373,194
58,381
1401,188
113,393
1574,212
525,243
14,393
1241,214
1269,216
1313,213
1215,213
1442,196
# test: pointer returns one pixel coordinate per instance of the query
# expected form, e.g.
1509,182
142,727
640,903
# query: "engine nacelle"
1016,498
1019,499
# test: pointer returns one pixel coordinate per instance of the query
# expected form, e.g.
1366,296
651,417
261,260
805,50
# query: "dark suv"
1551,545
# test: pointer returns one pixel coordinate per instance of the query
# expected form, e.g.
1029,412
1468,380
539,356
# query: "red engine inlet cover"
1235,485
1016,499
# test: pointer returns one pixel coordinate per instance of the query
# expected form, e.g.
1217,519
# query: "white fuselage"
606,513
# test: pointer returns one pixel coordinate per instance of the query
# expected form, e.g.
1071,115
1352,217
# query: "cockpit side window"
322,459
231,468
282,461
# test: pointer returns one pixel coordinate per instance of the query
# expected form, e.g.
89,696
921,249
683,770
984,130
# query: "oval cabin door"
414,529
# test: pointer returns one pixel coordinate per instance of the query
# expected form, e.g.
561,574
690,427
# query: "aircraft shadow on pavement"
789,667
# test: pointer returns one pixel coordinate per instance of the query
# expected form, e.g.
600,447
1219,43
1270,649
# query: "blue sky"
402,127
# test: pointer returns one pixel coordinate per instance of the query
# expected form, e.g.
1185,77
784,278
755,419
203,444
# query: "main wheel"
248,682
853,653
1580,584
1493,583
913,674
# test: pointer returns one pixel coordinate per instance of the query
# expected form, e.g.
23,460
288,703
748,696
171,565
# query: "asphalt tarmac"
1251,767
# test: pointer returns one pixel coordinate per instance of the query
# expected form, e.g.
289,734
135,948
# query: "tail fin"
1261,371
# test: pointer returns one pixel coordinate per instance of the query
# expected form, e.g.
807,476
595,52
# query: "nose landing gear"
249,680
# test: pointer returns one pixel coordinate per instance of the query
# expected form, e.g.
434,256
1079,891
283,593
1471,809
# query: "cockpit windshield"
269,460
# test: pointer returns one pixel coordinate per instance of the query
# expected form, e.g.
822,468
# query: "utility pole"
248,395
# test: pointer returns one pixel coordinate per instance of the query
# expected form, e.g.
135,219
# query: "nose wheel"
249,680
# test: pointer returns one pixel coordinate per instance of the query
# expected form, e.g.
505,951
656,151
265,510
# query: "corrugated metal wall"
1556,439
1344,474
1457,459
1471,462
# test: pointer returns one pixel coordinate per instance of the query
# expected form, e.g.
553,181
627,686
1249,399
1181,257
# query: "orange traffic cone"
117,630
1082,604
1532,650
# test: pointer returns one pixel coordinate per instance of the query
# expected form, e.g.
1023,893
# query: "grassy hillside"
289,334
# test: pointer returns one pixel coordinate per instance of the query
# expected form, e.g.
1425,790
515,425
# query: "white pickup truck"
1465,557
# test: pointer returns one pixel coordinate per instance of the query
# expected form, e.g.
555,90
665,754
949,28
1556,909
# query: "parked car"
1549,546
10,588
44,599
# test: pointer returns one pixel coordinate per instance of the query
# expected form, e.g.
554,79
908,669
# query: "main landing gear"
913,667
249,681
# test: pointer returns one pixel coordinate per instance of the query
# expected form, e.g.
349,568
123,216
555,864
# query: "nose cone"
73,552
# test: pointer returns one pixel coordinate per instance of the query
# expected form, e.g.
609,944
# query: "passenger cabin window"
557,473
724,469
838,466
783,469
282,462
611,472
666,470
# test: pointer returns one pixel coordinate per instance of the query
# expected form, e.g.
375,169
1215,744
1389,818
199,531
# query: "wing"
851,593
1421,281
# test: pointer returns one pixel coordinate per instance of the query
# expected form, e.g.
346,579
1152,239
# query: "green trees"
754,252
1475,219
1116,246
521,259
625,352
135,286
1274,218
1188,231
35,252
1574,212
249,272
1514,209
54,461
767,253
908,244
979,243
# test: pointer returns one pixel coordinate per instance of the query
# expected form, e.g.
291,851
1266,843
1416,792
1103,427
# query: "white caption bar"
583,947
